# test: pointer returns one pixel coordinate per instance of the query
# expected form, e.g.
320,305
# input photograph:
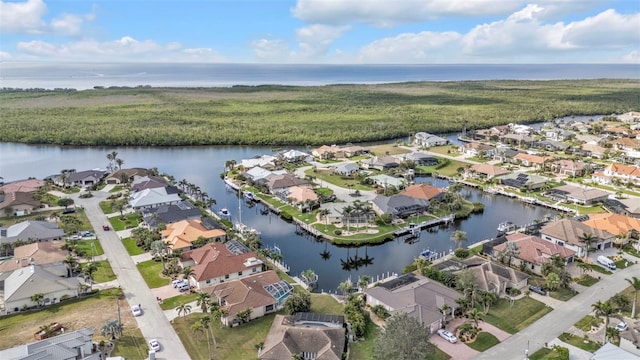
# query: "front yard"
517,317
132,248
104,272
129,221
151,271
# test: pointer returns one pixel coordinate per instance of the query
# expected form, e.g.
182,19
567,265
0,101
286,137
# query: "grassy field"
579,342
363,348
484,341
450,150
104,272
74,315
387,149
517,317
289,115
173,302
90,247
545,354
132,248
118,224
587,322
326,304
150,271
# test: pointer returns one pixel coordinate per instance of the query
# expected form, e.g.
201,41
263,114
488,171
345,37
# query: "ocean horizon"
82,76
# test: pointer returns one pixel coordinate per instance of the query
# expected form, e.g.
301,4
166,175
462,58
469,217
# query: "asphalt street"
153,323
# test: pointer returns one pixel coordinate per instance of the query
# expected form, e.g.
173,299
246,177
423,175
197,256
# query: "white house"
424,139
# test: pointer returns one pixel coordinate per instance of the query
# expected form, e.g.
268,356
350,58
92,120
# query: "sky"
321,31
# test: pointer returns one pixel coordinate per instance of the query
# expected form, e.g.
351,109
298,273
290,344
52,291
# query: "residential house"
294,156
630,340
301,196
307,335
24,186
570,233
417,296
609,351
577,194
492,133
265,161
630,147
169,214
550,145
424,139
487,171
386,181
30,230
520,180
277,182
155,197
594,150
530,252
476,149
40,253
17,203
621,172
333,152
521,129
557,134
82,178
419,158
516,139
263,293
346,169
381,163
619,225
147,182
257,173
215,263
399,206
182,234
125,176
530,160
424,191
70,345
628,207
494,277
505,154
566,167
23,283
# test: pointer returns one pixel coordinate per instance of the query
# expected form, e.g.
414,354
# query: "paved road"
559,320
153,323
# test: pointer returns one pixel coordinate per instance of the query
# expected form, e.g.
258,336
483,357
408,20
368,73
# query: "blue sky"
322,31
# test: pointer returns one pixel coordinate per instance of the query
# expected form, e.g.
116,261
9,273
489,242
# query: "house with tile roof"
308,335
277,182
621,172
415,295
487,171
150,198
617,224
424,191
169,214
40,253
494,277
26,186
25,282
31,230
594,150
566,167
215,263
381,163
125,176
71,345
530,160
570,233
263,293
532,252
476,149
182,234
301,195
578,194
18,203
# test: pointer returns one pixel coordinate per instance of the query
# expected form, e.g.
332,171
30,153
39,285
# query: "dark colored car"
106,227
538,290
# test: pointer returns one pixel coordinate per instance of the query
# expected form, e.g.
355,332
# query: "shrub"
461,253
380,311
286,216
337,232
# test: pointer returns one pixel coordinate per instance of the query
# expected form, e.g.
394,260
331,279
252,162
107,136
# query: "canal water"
203,166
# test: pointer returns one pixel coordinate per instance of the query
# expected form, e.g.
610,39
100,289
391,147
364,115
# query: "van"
184,287
605,261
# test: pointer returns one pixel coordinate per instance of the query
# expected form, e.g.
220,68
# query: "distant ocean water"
86,76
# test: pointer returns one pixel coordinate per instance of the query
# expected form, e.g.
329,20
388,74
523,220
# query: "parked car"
622,326
447,336
154,345
136,310
106,227
538,290
184,287
605,261
178,282
88,234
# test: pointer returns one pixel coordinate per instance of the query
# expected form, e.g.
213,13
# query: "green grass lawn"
331,178
90,247
132,248
562,294
104,272
599,269
586,322
238,343
105,206
450,150
517,317
116,188
587,280
326,304
131,345
387,149
483,341
579,342
173,302
363,348
151,271
545,354
131,221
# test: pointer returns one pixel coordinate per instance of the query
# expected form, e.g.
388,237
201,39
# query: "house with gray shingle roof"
169,214
570,233
346,169
76,345
399,206
424,139
150,198
381,163
30,230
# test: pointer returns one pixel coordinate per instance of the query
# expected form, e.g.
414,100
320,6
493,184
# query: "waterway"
203,166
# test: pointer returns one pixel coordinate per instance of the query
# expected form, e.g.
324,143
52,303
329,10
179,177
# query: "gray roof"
417,296
577,192
168,214
571,231
30,229
346,168
26,281
63,346
609,351
87,174
148,182
150,197
398,204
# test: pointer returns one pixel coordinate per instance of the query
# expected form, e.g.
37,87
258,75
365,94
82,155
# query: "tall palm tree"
363,282
206,323
604,309
119,162
112,328
183,309
188,272
474,315
204,300
87,271
635,283
445,309
38,298
197,328
458,237
159,248
72,265
345,287
588,239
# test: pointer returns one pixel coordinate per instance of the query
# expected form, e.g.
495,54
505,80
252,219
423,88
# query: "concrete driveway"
153,323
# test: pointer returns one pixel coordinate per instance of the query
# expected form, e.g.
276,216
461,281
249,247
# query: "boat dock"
414,229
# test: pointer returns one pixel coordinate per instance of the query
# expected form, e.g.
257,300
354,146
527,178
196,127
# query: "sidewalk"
173,313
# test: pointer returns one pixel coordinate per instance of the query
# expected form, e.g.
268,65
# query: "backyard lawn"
151,271
104,272
326,304
517,317
132,248
484,341
343,182
173,302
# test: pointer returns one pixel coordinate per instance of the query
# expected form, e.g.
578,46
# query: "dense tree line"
288,115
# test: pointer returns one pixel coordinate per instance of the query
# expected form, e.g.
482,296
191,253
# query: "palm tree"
612,334
112,328
197,328
206,322
87,271
488,298
363,282
552,282
345,287
445,309
183,309
72,265
458,237
588,239
119,162
604,309
188,272
474,315
38,298
204,300
584,267
158,248
635,283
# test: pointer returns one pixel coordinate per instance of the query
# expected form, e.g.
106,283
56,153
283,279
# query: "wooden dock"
414,229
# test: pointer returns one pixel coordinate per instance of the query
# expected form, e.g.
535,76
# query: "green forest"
292,115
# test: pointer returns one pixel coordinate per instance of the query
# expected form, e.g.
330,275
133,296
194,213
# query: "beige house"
531,251
182,234
570,233
488,171
494,277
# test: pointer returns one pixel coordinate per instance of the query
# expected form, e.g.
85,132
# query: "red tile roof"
214,260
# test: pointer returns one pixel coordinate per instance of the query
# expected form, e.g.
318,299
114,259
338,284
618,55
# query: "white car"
154,345
136,310
622,326
447,336
178,282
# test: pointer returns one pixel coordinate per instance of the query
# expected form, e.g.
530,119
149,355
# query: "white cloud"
199,55
5,56
315,40
607,30
424,47
632,57
270,49
25,18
